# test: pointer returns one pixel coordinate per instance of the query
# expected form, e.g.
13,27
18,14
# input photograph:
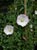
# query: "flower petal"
8,29
24,21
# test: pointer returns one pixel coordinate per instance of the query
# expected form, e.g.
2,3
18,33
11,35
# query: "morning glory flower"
22,20
8,30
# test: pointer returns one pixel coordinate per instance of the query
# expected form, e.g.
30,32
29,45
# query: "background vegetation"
16,40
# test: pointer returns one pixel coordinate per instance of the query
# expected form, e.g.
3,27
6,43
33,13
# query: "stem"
25,4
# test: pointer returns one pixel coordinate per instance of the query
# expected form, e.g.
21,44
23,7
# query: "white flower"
8,30
22,20
31,26
36,12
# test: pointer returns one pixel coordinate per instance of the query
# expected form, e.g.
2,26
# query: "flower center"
10,30
22,19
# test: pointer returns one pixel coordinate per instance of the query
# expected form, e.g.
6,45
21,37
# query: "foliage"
16,41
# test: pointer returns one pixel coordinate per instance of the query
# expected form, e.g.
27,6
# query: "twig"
25,4
25,38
